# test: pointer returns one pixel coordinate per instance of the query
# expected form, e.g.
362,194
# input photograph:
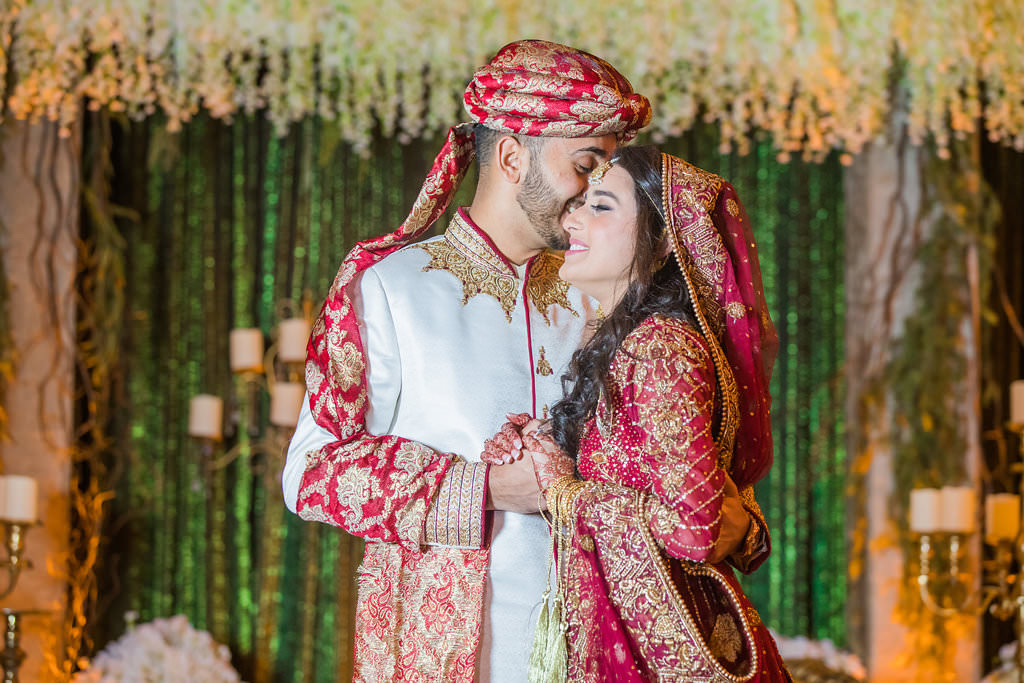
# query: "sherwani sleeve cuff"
456,519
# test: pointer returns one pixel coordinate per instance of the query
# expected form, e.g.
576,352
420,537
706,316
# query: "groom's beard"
543,209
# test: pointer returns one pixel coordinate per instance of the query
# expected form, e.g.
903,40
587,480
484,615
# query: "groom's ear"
511,159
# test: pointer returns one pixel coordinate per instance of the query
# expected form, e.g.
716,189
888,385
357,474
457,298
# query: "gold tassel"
558,654
549,654
540,642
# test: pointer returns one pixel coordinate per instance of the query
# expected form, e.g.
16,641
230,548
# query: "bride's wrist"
562,495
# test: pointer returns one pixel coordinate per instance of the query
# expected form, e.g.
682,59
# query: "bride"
667,405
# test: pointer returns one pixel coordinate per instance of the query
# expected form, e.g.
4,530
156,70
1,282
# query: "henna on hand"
504,447
550,463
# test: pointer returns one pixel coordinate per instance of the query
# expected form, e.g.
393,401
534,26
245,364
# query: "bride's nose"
571,221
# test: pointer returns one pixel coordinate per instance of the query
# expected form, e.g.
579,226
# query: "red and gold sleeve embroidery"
377,488
456,517
757,545
673,392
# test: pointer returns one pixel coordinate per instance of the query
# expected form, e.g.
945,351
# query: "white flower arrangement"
816,76
164,651
824,651
1007,671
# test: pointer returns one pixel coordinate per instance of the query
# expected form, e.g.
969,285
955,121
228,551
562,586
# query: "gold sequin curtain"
229,221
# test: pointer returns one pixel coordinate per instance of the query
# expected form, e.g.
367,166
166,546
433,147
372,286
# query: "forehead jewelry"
597,175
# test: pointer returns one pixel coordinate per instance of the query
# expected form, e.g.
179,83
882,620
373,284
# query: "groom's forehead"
600,147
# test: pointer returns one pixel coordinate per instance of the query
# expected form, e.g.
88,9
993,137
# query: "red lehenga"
685,404
647,517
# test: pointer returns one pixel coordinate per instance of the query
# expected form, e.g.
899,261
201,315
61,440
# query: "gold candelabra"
1001,592
14,542
276,370
12,656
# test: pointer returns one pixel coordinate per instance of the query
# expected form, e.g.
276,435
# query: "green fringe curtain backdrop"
232,220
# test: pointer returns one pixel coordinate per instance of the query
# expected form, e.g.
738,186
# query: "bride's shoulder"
661,337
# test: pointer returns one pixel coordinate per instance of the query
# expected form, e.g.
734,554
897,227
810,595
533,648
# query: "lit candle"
1017,403
20,494
205,417
958,509
246,350
925,510
1002,517
286,402
291,345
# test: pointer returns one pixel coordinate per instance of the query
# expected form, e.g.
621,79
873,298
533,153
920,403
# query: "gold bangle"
556,490
570,496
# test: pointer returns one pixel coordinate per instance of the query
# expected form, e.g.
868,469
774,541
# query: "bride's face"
602,239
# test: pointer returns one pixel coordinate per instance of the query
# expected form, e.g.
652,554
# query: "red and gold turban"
534,87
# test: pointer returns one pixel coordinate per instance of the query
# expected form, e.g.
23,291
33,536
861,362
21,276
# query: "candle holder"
1002,590
14,542
12,656
278,372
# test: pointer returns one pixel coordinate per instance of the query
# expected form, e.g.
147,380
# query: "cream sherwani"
455,337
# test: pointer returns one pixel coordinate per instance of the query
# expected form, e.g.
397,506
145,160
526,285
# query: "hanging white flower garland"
816,76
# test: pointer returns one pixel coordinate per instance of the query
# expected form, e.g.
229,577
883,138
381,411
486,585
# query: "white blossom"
164,650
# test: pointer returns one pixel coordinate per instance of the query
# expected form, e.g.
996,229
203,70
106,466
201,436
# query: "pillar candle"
925,507
1017,403
958,509
205,417
20,494
1002,516
246,350
285,403
291,345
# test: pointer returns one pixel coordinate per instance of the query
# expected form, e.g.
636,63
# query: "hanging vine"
925,379
100,313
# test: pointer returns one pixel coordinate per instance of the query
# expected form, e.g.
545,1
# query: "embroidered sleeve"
757,545
672,391
375,487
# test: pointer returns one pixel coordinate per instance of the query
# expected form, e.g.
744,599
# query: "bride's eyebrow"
605,193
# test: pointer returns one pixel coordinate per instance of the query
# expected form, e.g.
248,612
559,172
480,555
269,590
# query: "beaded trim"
727,381
701,569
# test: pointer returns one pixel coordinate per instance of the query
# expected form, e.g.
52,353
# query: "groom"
422,349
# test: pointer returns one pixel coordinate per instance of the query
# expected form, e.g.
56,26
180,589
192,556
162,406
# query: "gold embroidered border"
468,256
456,518
543,286
475,278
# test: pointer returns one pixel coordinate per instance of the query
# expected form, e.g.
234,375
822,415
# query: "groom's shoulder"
403,267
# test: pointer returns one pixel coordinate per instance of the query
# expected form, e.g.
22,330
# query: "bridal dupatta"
684,406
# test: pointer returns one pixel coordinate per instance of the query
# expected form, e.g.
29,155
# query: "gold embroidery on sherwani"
468,256
455,517
545,288
543,366
476,279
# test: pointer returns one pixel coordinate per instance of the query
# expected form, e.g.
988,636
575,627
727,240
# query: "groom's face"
556,177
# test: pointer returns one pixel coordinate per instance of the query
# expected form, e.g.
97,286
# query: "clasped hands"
519,445
526,461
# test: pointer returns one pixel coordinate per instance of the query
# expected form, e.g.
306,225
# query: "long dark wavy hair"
652,289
